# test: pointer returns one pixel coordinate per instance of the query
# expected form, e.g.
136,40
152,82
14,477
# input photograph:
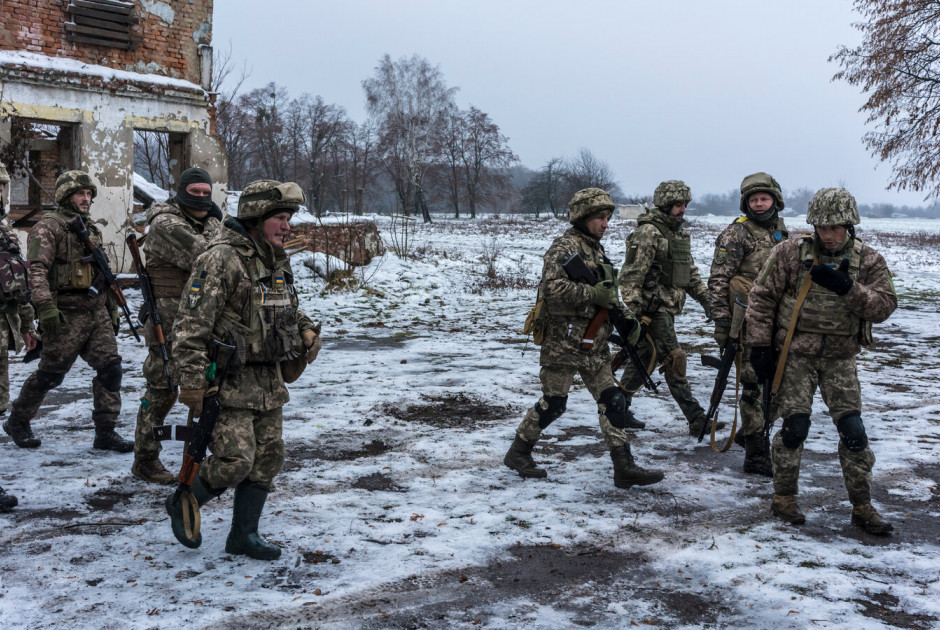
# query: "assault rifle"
578,271
150,306
199,435
100,260
723,365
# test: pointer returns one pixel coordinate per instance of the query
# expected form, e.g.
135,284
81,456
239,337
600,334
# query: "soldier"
241,292
570,307
178,233
740,252
822,292
75,322
16,324
656,275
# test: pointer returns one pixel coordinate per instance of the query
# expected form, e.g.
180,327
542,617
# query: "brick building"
78,78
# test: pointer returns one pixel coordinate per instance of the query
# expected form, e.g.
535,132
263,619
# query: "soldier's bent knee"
615,406
750,396
550,408
852,431
48,380
795,429
111,376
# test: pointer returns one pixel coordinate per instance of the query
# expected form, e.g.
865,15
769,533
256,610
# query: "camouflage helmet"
588,202
761,182
670,192
265,196
70,182
4,176
832,206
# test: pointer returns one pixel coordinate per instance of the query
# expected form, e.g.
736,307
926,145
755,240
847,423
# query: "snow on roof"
150,188
63,64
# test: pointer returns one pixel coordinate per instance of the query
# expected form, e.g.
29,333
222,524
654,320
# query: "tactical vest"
824,312
14,283
72,274
272,334
677,263
762,238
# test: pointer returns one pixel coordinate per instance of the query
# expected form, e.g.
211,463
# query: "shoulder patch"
195,289
740,219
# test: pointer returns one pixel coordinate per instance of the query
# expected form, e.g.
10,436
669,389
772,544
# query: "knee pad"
49,380
111,375
795,429
550,408
852,432
615,406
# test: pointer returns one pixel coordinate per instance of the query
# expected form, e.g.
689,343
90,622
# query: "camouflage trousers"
86,334
662,331
4,368
246,445
155,404
837,380
749,404
556,381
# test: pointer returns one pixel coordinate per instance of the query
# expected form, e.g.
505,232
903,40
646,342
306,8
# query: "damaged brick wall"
355,243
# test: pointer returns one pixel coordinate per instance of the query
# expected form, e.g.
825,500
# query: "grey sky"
706,91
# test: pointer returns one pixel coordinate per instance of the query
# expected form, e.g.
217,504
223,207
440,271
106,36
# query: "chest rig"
75,272
762,239
677,263
14,285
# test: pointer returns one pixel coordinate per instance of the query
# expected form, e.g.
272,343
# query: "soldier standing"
16,324
656,275
740,252
75,323
824,292
571,306
241,292
179,231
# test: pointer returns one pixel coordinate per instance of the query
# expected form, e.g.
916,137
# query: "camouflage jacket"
17,313
638,278
174,240
54,254
871,299
569,303
219,303
740,250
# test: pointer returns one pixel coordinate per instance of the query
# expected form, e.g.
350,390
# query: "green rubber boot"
243,539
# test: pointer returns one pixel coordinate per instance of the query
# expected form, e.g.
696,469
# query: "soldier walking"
179,231
241,292
16,323
822,292
570,308
740,252
657,274
75,322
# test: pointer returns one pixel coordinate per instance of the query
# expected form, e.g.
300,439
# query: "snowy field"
394,509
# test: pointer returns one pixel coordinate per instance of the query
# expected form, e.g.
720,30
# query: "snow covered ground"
394,509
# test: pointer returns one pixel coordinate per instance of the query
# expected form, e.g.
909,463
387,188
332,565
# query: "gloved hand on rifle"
50,318
722,332
115,320
836,280
193,398
604,293
762,360
312,343
634,337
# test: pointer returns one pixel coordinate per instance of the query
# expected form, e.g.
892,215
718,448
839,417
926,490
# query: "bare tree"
544,191
230,125
152,157
408,98
898,66
587,171
486,159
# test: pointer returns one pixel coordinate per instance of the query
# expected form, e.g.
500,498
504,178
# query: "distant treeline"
798,200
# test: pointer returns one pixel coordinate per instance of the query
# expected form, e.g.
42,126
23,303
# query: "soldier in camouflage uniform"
16,323
241,292
75,322
570,308
846,286
179,231
740,252
659,266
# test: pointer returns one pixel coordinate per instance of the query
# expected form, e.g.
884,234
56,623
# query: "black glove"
836,280
762,360
216,212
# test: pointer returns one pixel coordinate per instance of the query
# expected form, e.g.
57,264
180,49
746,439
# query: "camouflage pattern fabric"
71,182
173,242
16,319
52,250
4,367
645,246
662,331
670,192
856,470
246,444
832,206
588,203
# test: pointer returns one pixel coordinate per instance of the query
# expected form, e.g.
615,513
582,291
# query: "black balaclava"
194,175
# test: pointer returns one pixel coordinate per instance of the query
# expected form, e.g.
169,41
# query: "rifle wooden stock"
156,321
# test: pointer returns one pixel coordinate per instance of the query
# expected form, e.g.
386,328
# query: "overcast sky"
701,90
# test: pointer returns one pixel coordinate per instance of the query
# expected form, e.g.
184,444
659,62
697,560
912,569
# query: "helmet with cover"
832,206
264,197
589,203
70,182
761,183
669,192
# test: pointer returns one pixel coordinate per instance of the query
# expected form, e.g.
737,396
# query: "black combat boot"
7,501
757,456
519,458
108,440
174,508
21,432
630,421
627,474
243,539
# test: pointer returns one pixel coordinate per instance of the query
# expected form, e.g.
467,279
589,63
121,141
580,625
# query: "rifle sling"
192,524
782,360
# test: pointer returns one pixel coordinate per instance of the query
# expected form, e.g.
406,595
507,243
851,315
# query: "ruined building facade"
79,77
